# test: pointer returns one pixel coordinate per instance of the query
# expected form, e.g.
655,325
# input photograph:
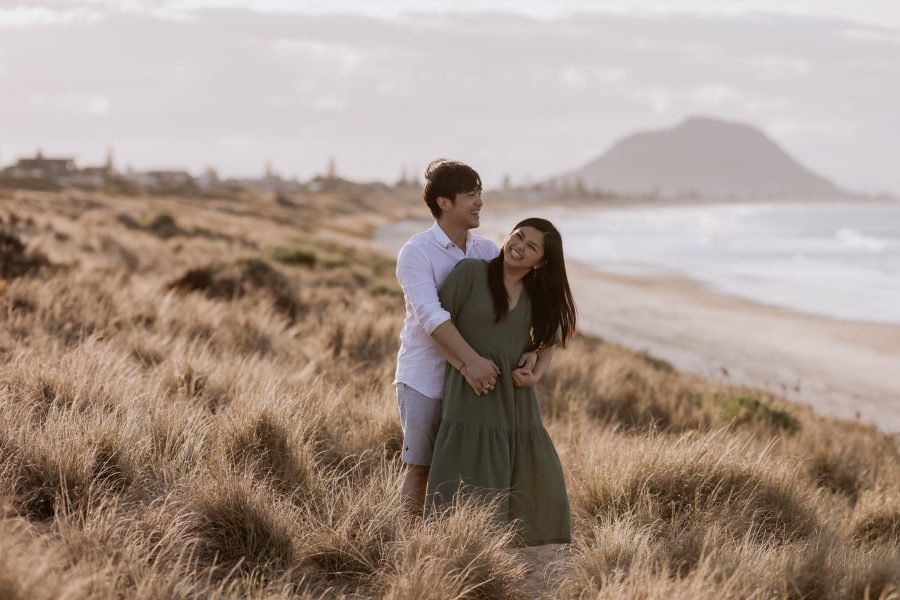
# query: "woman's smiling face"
524,248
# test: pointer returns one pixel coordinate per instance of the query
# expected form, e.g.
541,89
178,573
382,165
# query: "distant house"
93,177
46,173
49,169
164,181
90,177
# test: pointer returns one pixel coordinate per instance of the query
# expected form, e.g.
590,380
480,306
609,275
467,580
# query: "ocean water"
839,260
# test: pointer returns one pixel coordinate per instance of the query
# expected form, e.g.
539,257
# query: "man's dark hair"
448,178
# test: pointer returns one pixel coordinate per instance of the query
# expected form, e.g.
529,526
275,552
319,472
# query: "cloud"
330,104
73,105
713,94
578,76
41,16
785,128
872,35
780,65
342,56
658,99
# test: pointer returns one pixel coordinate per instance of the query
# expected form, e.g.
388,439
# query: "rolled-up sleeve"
417,280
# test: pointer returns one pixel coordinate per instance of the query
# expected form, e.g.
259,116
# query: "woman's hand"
528,360
524,378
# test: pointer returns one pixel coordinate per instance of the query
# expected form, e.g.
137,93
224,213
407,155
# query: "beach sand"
845,369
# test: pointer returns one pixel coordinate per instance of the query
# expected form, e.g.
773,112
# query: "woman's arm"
523,377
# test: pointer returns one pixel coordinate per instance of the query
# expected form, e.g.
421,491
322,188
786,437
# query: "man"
429,339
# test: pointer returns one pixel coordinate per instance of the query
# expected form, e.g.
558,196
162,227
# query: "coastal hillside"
700,158
196,402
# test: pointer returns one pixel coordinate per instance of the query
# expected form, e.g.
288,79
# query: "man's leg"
413,490
420,417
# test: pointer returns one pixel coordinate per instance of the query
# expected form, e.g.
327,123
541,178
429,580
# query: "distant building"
49,169
407,179
43,171
209,178
90,177
164,181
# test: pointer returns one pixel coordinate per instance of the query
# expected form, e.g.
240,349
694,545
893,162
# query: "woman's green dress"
496,444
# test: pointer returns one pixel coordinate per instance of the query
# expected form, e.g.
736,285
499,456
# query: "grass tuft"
460,553
235,529
289,255
879,525
241,278
262,446
15,261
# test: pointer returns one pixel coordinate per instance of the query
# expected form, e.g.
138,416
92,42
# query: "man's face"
466,211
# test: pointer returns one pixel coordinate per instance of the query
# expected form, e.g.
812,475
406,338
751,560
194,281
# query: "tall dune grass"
196,402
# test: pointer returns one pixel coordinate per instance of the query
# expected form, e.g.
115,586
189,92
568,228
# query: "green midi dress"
496,445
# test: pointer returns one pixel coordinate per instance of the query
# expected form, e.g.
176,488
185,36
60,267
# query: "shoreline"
845,369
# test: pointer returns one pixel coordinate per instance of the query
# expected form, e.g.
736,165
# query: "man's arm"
417,280
479,372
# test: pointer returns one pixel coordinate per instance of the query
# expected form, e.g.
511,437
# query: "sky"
526,90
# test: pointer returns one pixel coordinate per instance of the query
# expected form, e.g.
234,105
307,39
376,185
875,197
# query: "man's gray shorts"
420,417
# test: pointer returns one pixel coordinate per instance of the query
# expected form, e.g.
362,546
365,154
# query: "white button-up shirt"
422,266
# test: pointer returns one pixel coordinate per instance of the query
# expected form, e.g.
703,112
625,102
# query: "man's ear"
444,202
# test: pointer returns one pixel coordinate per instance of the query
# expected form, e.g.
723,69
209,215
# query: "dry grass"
195,402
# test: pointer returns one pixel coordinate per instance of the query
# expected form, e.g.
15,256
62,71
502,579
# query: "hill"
700,158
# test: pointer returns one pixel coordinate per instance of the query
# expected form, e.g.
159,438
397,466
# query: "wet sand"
846,369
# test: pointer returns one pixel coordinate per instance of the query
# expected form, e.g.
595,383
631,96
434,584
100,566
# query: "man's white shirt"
422,266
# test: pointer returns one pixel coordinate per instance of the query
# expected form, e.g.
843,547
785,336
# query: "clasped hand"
524,378
481,375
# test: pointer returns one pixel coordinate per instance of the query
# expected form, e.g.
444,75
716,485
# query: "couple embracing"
480,331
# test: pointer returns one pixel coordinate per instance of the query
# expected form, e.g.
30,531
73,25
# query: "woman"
496,444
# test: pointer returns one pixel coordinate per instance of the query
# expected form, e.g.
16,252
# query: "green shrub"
748,407
292,255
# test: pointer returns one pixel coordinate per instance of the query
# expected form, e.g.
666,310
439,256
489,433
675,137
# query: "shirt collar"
445,242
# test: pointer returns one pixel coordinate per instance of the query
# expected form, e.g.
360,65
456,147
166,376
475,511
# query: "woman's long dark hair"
552,305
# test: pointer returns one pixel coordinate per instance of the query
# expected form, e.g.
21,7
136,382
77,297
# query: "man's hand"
528,360
481,374
524,378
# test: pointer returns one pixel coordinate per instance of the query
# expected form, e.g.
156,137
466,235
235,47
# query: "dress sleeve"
459,284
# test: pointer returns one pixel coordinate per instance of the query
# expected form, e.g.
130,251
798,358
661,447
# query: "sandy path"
841,368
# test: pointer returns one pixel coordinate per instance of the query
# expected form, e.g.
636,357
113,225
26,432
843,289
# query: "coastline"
844,369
